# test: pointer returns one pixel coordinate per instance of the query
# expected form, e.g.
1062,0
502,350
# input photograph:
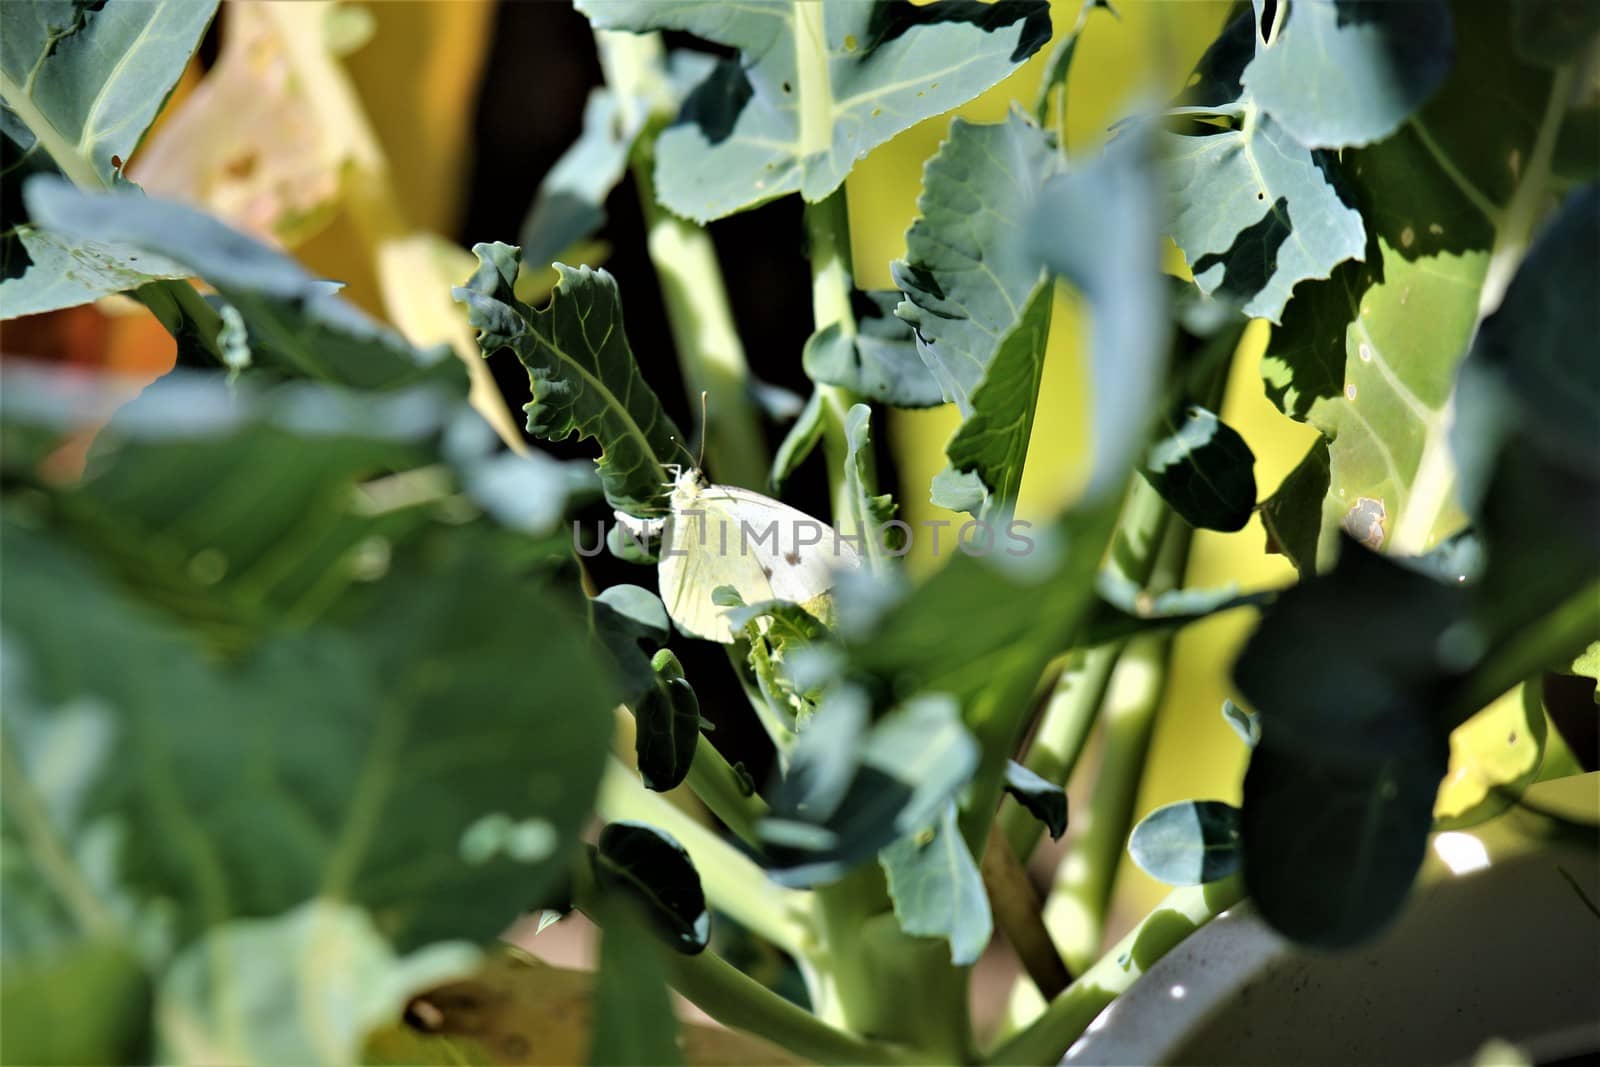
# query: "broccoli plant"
313,685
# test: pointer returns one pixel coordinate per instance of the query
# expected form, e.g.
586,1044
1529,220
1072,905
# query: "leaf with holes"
582,372
790,116
1369,356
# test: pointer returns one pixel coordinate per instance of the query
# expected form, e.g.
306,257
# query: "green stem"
1559,636
1058,744
832,286
732,882
1184,911
721,789
1075,912
710,352
736,1000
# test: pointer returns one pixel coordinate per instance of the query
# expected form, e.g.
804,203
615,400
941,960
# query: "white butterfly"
766,550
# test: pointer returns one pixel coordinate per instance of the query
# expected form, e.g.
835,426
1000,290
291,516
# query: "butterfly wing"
763,548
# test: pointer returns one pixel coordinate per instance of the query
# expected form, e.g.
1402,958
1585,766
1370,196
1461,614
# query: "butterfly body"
721,535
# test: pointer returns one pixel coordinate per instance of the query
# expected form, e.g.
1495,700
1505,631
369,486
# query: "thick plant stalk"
832,285
710,354
1016,910
732,882
1075,912
1183,912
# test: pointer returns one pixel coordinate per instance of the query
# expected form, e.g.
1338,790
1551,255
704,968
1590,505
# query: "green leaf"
937,890
1340,75
816,87
44,1003
1097,226
993,440
570,205
582,372
296,323
799,441
630,623
1293,517
349,633
1496,755
66,273
1552,32
1532,370
1188,843
633,1021
1254,211
1358,356
868,511
965,277
1204,470
908,765
878,362
668,718
1247,724
650,868
1339,796
1059,65
306,987
88,80
1045,800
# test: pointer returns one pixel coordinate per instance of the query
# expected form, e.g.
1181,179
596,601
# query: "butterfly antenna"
699,463
686,453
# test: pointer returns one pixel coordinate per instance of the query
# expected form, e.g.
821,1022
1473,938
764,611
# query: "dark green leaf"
1045,800
1341,74
911,762
965,275
571,203
1346,675
652,870
582,372
668,720
1254,211
346,631
1553,32
1293,516
1098,227
297,324
1247,724
993,440
87,80
1204,470
1187,843
937,890
1532,369
630,623
262,990
816,87
878,362
633,1021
